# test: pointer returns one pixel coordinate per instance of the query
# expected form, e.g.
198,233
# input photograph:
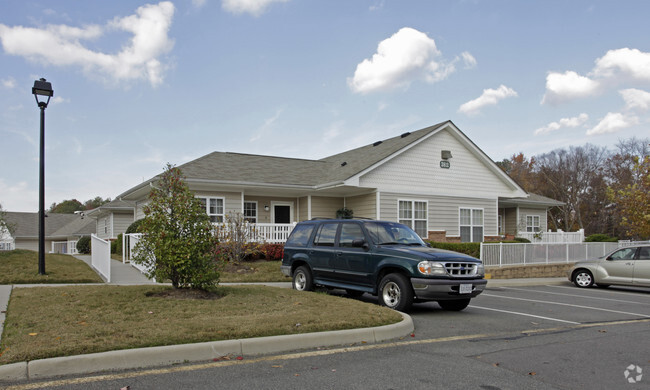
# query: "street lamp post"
42,88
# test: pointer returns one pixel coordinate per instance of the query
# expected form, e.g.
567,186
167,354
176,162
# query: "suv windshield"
388,233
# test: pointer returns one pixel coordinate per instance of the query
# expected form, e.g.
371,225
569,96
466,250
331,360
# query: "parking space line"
576,295
610,291
568,304
524,314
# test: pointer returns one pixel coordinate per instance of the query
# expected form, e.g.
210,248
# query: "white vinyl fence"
101,256
129,242
555,237
500,254
65,247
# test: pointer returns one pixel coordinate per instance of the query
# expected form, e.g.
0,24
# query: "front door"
282,214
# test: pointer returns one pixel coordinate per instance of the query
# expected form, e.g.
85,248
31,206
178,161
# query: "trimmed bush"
469,248
600,237
273,251
521,239
134,227
83,245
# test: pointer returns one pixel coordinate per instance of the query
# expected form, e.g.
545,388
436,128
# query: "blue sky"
140,84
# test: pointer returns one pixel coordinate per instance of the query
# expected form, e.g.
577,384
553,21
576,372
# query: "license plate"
465,289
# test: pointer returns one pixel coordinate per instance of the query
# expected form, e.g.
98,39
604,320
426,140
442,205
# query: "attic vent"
344,163
377,143
405,134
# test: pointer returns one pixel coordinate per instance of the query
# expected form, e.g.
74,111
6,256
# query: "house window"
532,223
214,208
413,214
106,225
471,225
250,212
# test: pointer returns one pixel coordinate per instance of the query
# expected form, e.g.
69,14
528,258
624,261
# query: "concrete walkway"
124,274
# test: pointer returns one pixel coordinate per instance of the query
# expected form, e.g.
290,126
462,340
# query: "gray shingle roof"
56,225
249,168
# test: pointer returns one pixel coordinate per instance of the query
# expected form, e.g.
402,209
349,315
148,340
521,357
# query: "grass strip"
21,267
44,322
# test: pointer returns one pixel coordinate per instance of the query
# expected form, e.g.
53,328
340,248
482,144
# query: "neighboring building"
62,231
435,180
112,218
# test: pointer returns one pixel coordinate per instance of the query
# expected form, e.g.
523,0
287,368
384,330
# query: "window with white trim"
532,223
413,213
250,212
471,225
214,208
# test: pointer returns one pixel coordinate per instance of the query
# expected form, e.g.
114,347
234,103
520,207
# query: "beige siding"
363,205
303,209
417,170
139,210
264,216
325,207
121,222
444,211
523,212
104,227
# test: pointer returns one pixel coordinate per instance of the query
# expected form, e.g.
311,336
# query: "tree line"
604,190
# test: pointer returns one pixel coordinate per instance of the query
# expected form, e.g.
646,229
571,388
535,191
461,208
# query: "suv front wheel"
302,280
395,292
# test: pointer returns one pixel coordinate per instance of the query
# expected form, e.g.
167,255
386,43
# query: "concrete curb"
174,354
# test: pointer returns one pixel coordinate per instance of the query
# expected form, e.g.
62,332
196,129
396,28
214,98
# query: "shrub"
116,246
236,238
273,251
134,227
469,248
521,239
600,237
83,245
178,242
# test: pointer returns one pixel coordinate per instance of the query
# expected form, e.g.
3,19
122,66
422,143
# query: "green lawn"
47,322
44,322
21,267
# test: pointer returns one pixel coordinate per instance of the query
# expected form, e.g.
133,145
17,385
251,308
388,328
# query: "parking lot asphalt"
540,336
507,307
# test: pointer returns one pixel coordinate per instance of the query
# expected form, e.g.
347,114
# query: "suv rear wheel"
395,292
302,280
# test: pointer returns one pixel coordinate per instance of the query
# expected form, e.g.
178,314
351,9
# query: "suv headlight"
480,270
431,268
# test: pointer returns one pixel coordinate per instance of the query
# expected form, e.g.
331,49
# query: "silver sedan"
628,266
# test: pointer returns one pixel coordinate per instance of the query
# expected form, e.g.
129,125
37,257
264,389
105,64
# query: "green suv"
386,259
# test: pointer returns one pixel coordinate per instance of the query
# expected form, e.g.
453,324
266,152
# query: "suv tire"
395,292
454,305
302,280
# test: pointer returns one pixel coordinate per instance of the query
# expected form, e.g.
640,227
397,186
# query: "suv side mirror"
360,243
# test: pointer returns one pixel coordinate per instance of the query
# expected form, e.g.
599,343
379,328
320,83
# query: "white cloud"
624,63
613,122
61,45
568,85
198,3
406,56
489,97
8,83
468,59
636,99
614,68
59,100
562,123
253,7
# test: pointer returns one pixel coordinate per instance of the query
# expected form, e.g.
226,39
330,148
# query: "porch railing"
101,256
554,237
65,247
